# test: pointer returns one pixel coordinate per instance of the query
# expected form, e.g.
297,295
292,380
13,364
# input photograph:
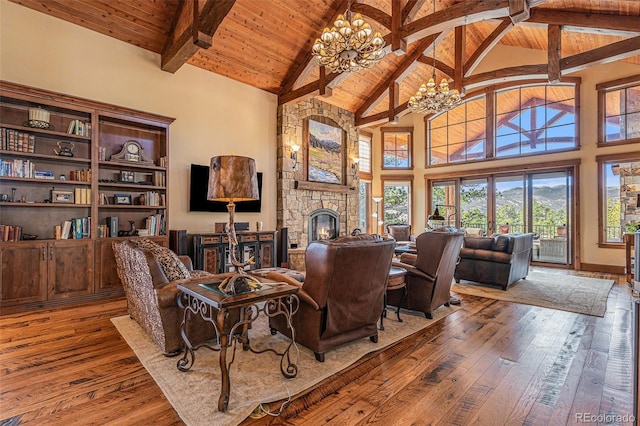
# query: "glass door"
474,205
510,206
550,212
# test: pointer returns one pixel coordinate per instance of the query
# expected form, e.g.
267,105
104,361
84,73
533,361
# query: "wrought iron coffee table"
204,299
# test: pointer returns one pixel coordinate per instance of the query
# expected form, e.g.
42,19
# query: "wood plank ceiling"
267,43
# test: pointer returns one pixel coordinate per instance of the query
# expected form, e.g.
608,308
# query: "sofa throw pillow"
500,243
171,265
478,243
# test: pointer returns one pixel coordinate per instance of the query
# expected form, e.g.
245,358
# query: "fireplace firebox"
324,224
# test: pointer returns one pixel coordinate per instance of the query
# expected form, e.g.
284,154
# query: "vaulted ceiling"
267,43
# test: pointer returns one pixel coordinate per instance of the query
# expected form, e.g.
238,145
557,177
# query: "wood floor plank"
490,362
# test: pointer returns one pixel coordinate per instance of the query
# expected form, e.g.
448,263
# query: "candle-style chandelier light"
432,99
349,46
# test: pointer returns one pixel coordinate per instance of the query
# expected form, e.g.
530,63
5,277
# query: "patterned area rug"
255,379
563,292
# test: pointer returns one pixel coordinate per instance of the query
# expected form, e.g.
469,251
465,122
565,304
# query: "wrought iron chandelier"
432,99
349,46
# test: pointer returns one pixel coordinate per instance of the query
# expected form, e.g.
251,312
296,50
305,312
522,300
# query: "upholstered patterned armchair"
143,267
343,292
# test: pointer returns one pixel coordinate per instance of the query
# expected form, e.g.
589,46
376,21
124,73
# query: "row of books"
159,179
75,229
152,198
10,232
155,225
80,128
17,168
83,175
82,196
15,140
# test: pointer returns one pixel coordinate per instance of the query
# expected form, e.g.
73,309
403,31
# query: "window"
459,134
396,148
397,200
364,148
619,111
619,197
533,119
364,205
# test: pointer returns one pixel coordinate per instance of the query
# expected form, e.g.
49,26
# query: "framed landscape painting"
325,153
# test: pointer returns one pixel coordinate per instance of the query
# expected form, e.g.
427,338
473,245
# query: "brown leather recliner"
430,275
500,260
400,232
343,292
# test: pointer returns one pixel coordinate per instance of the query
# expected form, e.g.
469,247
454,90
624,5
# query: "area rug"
255,378
557,291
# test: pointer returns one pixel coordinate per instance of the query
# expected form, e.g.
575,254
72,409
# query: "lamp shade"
233,178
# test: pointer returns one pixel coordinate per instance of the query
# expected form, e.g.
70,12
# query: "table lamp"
234,178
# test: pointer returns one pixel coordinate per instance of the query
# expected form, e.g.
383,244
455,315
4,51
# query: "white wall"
214,115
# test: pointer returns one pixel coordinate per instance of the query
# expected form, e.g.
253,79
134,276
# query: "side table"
395,281
203,298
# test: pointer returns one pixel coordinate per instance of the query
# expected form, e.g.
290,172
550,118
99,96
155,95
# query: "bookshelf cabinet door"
24,272
70,268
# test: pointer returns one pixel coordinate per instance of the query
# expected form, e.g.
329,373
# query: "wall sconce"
354,167
294,155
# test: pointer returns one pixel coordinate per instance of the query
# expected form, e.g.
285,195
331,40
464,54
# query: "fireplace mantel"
328,187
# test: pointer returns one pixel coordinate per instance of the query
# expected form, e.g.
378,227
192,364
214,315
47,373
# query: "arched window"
517,121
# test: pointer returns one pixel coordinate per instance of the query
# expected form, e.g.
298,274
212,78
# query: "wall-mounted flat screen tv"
198,194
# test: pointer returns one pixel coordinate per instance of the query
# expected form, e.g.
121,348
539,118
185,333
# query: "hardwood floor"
490,363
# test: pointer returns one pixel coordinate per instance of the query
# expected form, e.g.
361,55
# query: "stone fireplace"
298,198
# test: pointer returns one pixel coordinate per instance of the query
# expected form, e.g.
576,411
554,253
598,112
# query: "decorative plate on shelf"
39,124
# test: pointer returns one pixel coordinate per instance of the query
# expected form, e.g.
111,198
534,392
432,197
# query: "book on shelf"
82,195
78,127
66,230
15,140
10,232
17,168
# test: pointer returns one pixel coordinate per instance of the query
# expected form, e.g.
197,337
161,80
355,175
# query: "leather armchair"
343,292
152,298
500,260
400,232
430,271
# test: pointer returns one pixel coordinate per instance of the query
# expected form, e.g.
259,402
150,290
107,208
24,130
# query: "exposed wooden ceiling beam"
397,75
439,65
304,62
307,91
193,28
604,24
518,11
411,9
487,44
373,13
524,72
398,44
458,67
463,13
602,55
554,52
394,99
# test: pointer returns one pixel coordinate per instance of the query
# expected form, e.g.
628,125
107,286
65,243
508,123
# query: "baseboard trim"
607,269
